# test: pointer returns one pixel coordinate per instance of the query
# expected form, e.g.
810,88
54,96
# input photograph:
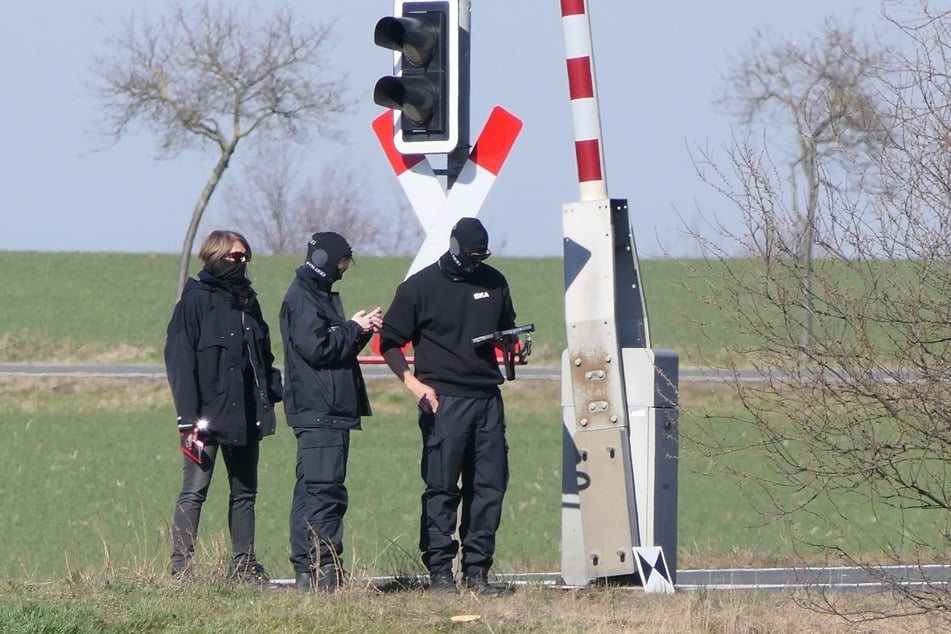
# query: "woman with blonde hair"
221,372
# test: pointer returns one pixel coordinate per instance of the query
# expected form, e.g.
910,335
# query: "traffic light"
424,88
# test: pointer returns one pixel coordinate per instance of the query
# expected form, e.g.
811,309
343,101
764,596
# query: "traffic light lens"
420,43
419,104
418,40
415,97
424,88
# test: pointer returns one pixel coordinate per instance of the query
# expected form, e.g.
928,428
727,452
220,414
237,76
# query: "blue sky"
658,65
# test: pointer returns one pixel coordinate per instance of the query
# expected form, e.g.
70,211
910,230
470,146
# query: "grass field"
114,307
89,469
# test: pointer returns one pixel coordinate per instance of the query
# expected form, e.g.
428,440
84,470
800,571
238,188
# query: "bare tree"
822,96
262,200
209,75
281,209
854,425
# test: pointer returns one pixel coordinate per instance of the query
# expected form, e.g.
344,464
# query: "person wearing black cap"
221,372
324,398
441,309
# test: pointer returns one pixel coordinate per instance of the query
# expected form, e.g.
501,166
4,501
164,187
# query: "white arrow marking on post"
467,194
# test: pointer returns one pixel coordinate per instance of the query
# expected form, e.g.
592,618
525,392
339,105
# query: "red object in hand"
192,446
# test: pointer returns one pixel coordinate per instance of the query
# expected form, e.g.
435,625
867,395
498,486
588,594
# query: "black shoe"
477,580
329,578
250,572
442,582
304,583
181,571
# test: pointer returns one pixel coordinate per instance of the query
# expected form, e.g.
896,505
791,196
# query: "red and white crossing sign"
436,208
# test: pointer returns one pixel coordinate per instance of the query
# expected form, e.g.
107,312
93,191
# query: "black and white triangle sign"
652,567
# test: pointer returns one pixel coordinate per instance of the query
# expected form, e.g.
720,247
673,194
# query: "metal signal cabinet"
619,403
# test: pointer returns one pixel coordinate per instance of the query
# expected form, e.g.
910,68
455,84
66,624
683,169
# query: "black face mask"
466,264
467,239
324,252
452,268
228,271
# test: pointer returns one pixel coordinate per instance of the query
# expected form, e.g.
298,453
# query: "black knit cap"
469,237
324,251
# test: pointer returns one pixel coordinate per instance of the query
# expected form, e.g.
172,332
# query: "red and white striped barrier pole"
618,395
579,56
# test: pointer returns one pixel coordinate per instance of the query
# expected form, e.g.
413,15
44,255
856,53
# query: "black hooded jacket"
325,387
206,364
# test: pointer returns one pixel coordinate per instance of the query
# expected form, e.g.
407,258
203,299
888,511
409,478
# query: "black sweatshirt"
441,316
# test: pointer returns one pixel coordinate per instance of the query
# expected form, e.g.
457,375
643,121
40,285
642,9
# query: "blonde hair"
218,244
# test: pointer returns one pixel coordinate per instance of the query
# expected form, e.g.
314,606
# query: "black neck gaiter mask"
227,271
230,276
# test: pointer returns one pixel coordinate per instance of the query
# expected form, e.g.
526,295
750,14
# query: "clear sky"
658,65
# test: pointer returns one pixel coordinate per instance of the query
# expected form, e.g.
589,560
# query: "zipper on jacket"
254,371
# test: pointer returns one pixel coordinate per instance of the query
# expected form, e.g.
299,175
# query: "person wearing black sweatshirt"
455,384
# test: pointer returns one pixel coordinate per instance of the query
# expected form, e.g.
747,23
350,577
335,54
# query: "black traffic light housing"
424,88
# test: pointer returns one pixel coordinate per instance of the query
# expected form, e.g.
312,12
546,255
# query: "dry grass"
388,396
115,605
33,394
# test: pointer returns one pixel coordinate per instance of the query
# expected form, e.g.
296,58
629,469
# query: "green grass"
89,471
116,607
115,307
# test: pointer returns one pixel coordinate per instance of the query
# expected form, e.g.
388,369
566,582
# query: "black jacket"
441,316
207,364
324,384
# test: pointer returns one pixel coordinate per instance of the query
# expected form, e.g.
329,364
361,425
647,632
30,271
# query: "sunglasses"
479,257
238,256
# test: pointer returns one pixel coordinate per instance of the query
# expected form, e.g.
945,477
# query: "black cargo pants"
464,440
320,497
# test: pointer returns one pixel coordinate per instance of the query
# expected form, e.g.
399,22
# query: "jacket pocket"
322,454
212,367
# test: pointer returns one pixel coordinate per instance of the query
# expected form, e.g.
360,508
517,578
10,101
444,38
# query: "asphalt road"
760,579
524,373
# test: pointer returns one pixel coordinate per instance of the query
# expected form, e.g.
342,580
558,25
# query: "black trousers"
464,442
242,465
320,497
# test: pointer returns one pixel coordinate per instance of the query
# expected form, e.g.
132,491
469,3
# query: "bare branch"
280,208
842,175
208,75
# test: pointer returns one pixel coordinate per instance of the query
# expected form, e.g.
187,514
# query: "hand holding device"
505,340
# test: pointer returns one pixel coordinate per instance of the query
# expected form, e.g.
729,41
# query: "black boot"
330,578
441,582
477,580
249,571
304,583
